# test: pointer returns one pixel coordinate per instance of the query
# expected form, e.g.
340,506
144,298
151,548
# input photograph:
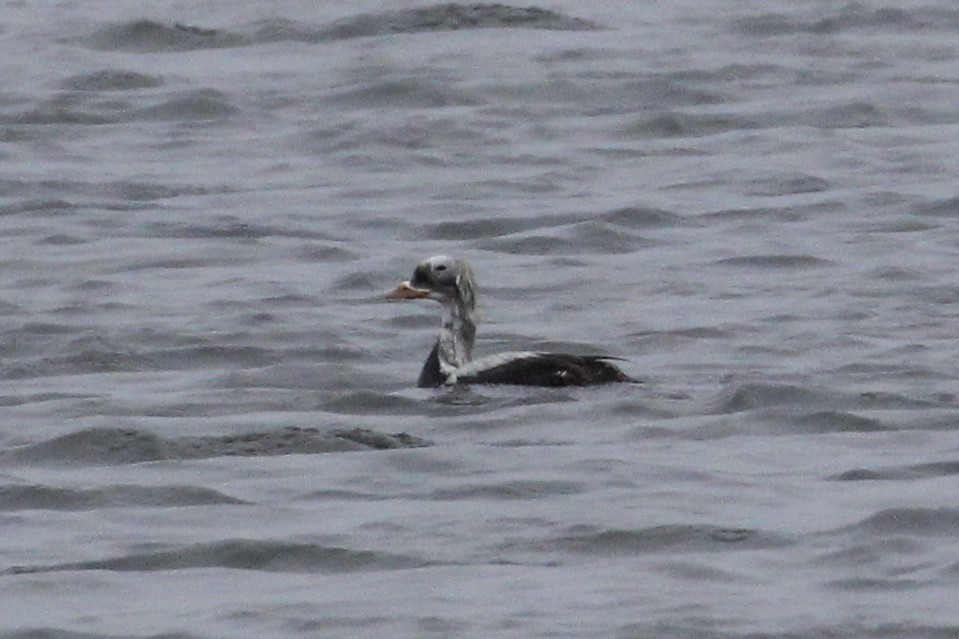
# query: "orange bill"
404,291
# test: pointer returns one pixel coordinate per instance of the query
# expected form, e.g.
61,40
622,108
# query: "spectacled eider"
450,282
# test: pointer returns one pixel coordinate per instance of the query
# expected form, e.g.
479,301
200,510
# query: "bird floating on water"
450,282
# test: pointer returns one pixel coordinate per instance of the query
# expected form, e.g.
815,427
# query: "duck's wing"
529,368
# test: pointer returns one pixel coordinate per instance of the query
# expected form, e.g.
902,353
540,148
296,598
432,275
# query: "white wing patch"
489,362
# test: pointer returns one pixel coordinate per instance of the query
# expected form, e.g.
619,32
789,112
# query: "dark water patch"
112,80
331,373
410,93
834,422
661,91
359,281
210,356
757,396
566,261
277,29
894,274
61,239
951,572
339,137
38,497
411,320
943,295
519,489
183,263
56,113
768,24
343,495
896,401
326,253
42,205
112,446
551,182
493,227
899,473
381,441
229,227
469,400
889,550
476,228
775,261
641,217
603,238
651,341
703,628
294,300
676,124
687,570
947,207
921,522
574,239
752,396
93,354
601,96
453,17
575,54
35,332
474,400
197,105
661,539
93,446
904,226
59,633
777,214
644,410
780,185
145,36
84,361
293,441
872,552
851,115
149,191
367,402
738,72
245,554
852,16
33,398
230,230
385,143
70,107
120,195
875,584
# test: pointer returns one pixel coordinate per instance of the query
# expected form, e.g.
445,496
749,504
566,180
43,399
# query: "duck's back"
542,369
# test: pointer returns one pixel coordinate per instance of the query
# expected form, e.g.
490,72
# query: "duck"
450,281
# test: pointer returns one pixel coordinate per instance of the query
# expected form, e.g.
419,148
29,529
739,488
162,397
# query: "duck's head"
442,278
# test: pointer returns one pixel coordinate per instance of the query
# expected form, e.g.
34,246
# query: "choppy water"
210,426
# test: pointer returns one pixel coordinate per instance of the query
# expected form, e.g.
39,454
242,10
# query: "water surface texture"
210,425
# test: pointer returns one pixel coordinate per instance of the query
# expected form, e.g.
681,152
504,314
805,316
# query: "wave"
244,554
674,538
39,497
153,36
111,446
752,396
919,522
899,473
849,17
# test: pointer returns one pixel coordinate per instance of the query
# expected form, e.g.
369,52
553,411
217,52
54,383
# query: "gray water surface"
210,421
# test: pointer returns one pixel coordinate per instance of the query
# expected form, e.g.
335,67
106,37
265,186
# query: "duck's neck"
454,348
